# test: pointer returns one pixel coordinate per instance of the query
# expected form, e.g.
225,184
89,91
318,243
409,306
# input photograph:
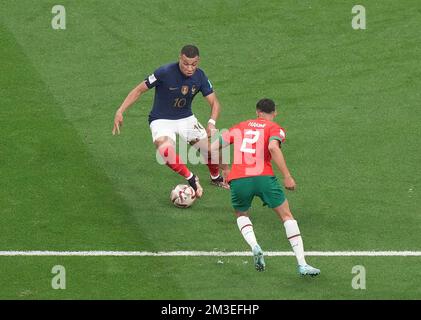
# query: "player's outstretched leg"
308,270
294,237
215,178
246,229
259,261
173,161
296,241
219,182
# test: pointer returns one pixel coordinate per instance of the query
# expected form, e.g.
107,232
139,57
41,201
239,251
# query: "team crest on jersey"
193,89
184,90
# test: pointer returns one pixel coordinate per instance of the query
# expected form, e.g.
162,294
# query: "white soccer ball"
183,196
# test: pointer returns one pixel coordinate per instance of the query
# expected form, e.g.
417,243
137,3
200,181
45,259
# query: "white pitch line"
206,253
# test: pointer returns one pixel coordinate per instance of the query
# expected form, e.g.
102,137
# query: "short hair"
265,105
190,51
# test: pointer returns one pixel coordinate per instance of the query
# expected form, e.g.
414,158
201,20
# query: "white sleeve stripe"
282,134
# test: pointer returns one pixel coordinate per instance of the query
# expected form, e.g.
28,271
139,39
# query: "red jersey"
251,141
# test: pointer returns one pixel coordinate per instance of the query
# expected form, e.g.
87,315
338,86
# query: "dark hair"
265,105
190,51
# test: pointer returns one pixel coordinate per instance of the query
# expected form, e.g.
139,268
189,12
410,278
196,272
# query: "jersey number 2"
254,136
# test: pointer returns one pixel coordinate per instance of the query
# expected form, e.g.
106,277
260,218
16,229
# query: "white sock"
294,237
246,229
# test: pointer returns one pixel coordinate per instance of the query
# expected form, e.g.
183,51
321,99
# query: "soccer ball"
183,196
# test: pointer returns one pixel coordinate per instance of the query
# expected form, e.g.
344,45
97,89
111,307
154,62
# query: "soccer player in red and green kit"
257,142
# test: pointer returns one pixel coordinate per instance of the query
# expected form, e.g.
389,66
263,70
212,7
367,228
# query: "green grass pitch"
349,100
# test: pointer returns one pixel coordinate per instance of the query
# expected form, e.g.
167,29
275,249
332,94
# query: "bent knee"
162,142
284,212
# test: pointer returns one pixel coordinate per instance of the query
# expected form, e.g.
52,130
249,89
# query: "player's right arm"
130,99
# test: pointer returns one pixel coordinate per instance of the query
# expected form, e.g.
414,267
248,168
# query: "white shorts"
187,128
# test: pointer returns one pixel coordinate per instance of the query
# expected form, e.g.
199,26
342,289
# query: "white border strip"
206,253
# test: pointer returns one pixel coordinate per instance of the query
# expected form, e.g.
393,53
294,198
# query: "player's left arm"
215,109
279,159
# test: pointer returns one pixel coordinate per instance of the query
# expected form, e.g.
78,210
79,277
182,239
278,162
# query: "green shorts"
266,188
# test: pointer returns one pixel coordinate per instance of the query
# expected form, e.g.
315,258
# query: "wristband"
212,121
